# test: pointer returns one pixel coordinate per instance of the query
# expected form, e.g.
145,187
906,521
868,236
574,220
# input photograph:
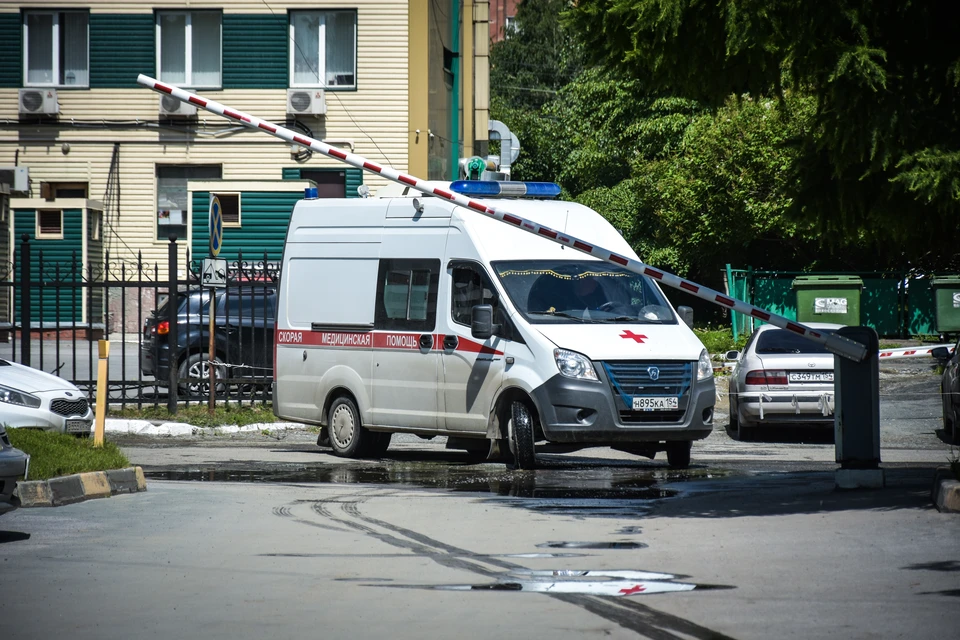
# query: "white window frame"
188,33
55,37
239,196
49,236
322,53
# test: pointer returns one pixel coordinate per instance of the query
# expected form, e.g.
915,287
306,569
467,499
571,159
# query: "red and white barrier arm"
834,343
912,352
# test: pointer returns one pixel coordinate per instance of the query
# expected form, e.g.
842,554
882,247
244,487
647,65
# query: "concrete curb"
946,491
81,486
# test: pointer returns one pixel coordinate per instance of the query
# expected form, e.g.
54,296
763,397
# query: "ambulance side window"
470,286
407,295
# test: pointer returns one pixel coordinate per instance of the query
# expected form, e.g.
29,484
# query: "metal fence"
52,313
895,304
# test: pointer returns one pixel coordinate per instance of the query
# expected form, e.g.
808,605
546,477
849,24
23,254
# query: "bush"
199,415
719,341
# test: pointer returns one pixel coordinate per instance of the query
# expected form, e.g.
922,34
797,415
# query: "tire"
347,435
521,428
678,454
196,365
734,416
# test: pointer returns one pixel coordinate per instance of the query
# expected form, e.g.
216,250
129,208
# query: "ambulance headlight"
704,366
575,365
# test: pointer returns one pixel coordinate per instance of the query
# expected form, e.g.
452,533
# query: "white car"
34,399
781,378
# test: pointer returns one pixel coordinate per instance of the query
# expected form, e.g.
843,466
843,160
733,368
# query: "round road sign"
216,226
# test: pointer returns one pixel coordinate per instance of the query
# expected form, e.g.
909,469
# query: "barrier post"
856,418
103,347
25,303
173,307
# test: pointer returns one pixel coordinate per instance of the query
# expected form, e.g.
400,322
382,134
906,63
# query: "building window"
55,49
229,208
323,50
511,26
188,48
96,225
52,190
330,184
50,224
172,195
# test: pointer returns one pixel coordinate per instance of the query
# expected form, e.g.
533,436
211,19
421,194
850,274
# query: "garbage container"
828,299
946,292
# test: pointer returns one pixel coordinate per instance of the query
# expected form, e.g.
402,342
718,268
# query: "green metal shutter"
264,217
121,46
66,254
10,49
255,51
352,177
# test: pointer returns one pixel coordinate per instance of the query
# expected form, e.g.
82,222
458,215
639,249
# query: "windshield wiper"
556,314
627,319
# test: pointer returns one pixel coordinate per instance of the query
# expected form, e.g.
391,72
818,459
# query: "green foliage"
879,156
57,454
532,63
719,341
199,415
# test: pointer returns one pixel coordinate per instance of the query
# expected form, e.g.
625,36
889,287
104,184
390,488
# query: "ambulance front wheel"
678,454
346,432
521,432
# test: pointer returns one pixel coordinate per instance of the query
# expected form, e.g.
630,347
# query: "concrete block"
66,489
123,480
95,484
35,494
176,429
946,491
860,479
227,430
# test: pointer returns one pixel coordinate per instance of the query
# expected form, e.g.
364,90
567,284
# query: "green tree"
535,59
880,159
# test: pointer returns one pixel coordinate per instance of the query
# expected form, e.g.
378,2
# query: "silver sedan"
781,378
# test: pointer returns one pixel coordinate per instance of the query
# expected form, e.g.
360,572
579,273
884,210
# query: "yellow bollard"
101,409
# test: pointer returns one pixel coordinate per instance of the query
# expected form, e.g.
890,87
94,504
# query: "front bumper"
786,406
579,411
44,418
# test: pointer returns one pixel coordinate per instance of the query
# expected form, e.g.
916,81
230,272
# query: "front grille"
630,379
69,407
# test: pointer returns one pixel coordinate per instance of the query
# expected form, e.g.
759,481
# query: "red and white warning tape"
835,343
912,352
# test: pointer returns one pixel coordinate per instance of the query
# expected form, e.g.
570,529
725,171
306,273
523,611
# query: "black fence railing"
53,312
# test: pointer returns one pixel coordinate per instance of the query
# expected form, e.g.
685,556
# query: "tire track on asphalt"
629,614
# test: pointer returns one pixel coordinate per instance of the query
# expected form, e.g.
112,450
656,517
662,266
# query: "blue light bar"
493,189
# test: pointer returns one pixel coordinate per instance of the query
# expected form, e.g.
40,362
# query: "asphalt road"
271,536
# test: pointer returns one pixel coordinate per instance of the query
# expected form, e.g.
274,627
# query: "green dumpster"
828,299
946,291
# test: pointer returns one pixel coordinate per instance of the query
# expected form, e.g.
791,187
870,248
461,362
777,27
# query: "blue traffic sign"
216,226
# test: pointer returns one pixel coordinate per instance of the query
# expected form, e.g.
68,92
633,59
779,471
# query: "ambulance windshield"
570,291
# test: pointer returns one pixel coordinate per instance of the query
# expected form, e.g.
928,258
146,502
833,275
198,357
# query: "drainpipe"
455,102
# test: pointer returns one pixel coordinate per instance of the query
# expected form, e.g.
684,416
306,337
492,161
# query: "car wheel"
678,454
197,366
521,429
347,435
734,415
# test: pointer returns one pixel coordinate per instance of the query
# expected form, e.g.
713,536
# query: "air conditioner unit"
174,107
39,102
306,101
17,177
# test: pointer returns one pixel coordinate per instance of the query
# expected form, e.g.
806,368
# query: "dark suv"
243,337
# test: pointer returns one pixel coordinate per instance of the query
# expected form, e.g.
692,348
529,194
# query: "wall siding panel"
121,47
255,51
11,69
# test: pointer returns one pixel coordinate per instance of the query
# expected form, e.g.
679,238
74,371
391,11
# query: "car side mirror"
481,322
732,355
686,314
941,353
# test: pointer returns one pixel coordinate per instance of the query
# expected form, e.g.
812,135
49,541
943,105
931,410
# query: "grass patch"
199,415
719,341
58,454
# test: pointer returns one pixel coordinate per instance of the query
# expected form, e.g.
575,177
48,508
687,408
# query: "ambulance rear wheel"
521,430
347,435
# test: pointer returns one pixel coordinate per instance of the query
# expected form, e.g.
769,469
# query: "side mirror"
481,322
686,314
732,355
941,353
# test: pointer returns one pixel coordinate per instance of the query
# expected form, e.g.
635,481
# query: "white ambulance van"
407,314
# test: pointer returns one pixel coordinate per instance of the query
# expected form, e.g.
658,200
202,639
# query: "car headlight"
22,398
575,365
704,366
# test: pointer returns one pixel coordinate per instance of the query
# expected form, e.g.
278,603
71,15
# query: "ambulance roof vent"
493,189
